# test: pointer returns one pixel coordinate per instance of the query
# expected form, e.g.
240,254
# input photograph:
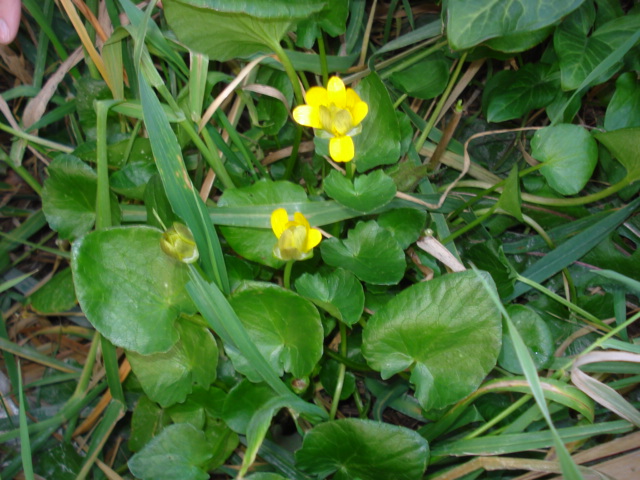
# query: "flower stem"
350,168
287,274
323,59
341,372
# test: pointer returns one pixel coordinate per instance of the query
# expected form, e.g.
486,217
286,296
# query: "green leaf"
131,180
168,377
179,451
365,194
369,251
536,335
489,256
405,224
363,449
285,327
570,155
624,144
447,331
57,295
329,379
254,243
339,293
69,197
579,55
129,289
244,399
147,421
379,142
519,42
510,198
470,22
511,94
226,30
426,79
272,112
623,110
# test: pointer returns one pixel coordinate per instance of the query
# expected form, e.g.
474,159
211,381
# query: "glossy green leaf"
426,79
329,378
243,400
579,54
624,144
511,94
69,197
226,30
519,42
379,142
623,110
447,331
129,289
179,451
168,377
470,22
510,198
369,251
339,293
285,327
570,155
57,295
365,194
254,243
131,180
363,449
147,421
536,335
405,224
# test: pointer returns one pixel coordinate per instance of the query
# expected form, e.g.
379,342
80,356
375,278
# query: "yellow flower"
178,242
336,113
296,238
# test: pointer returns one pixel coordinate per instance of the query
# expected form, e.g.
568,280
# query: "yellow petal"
279,221
358,112
316,96
300,219
341,149
342,123
336,93
307,115
352,98
313,238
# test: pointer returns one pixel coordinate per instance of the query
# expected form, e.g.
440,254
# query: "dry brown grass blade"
15,65
432,246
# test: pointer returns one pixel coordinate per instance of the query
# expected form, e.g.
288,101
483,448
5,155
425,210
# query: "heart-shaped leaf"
285,327
168,377
623,110
405,224
179,451
129,289
379,142
469,23
365,194
570,155
447,331
369,251
355,448
339,293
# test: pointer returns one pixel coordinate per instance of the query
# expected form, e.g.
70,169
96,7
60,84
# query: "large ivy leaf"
369,251
339,293
447,331
69,197
365,194
580,54
470,22
624,144
179,451
536,335
379,142
168,377
285,327
363,449
226,30
623,110
254,243
511,94
570,155
129,289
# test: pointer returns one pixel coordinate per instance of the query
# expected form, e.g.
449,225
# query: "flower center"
335,120
292,241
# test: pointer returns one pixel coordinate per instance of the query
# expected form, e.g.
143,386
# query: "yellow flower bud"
296,238
178,242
